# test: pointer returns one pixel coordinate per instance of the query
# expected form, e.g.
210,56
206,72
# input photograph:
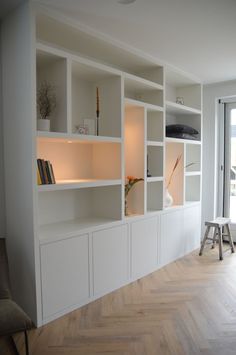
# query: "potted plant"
46,103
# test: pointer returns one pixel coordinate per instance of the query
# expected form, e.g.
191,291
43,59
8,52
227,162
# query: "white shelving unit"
78,225
186,184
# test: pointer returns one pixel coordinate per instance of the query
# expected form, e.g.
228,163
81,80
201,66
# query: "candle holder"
97,111
97,123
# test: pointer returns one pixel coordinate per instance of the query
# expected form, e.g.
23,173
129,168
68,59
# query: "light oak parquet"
185,308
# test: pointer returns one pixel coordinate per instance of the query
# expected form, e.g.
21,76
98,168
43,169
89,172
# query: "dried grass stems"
46,99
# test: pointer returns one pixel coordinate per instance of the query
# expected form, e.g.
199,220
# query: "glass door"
229,203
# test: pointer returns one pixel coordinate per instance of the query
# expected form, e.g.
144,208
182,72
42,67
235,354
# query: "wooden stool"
218,224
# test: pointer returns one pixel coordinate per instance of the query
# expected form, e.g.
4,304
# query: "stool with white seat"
218,224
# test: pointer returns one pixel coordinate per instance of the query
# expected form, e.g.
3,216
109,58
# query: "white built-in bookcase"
78,225
91,167
131,140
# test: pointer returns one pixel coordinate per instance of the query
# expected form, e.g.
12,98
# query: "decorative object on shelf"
181,131
180,100
90,124
148,173
46,103
81,129
168,197
97,111
131,181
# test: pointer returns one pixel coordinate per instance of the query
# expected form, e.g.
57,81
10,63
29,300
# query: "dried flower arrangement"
173,170
46,100
175,167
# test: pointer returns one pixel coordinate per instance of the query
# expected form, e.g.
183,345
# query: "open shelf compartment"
134,157
176,187
192,188
76,160
154,196
193,158
155,126
191,120
76,210
143,92
52,69
154,161
92,86
179,88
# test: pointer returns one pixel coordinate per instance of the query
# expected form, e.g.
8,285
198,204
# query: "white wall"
210,95
18,94
2,195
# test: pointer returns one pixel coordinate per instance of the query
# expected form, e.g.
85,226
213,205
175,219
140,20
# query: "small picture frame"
91,124
81,129
180,100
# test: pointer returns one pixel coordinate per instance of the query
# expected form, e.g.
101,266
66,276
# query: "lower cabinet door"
192,227
172,236
110,259
65,274
144,246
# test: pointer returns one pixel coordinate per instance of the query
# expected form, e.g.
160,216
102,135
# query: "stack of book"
45,174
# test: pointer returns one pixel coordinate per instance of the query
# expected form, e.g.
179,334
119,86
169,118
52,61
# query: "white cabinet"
110,259
192,228
80,246
65,274
144,246
172,238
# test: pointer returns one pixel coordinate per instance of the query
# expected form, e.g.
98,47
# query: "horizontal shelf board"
135,82
174,108
134,215
155,143
65,229
44,48
192,173
172,207
191,203
153,211
77,184
155,178
179,140
75,138
137,103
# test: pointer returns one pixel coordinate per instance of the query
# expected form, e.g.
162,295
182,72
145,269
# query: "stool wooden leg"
220,244
230,238
204,240
214,238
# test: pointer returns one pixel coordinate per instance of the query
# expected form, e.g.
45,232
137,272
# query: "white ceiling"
197,36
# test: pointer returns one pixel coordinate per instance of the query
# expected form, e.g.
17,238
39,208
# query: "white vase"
43,124
168,199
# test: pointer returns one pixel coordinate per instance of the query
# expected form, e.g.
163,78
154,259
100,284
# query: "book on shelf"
39,180
45,172
52,173
40,170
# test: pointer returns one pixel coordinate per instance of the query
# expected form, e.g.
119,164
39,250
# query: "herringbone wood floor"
187,307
